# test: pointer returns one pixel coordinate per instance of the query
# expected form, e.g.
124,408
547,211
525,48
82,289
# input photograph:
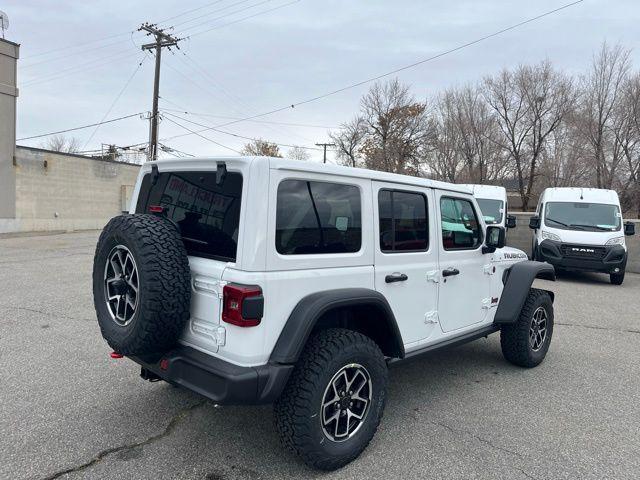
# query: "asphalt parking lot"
69,411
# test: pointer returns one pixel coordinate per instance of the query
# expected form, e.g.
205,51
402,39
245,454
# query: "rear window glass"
317,217
207,214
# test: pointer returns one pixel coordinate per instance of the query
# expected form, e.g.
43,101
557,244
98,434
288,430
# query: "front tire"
525,343
617,278
334,400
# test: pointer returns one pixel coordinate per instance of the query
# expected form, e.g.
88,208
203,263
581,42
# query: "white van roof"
305,166
491,192
577,194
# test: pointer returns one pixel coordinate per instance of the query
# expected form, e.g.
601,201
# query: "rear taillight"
242,305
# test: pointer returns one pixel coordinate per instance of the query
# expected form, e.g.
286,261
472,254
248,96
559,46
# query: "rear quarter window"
317,218
208,215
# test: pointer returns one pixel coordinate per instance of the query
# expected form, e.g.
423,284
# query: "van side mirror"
629,228
534,222
511,221
495,238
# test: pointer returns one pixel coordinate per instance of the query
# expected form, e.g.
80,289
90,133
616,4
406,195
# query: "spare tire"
141,284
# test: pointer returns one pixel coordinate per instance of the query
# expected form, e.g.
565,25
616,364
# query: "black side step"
449,342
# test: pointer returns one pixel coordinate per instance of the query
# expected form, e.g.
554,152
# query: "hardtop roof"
315,167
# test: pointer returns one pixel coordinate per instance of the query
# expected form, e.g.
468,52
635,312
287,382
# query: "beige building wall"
63,192
8,92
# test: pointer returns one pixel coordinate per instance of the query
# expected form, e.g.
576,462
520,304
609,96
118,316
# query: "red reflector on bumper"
164,364
116,355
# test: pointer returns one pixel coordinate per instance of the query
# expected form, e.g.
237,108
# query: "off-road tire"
298,410
616,278
514,338
164,284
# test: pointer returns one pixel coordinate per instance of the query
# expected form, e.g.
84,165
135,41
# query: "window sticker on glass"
342,224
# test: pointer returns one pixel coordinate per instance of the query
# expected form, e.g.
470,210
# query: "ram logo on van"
584,250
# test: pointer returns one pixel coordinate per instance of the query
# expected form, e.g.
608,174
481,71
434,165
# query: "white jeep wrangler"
258,280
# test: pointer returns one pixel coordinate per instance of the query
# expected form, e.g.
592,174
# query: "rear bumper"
219,381
605,259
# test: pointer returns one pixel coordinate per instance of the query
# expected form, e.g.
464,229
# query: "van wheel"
617,278
525,343
334,400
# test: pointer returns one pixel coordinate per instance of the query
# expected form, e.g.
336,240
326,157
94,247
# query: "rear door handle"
395,277
450,272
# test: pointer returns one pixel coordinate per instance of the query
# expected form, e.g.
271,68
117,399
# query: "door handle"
450,272
395,277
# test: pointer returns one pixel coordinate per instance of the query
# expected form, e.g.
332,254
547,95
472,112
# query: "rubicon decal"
515,256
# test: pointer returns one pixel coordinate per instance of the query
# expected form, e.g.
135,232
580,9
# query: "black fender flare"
517,281
311,308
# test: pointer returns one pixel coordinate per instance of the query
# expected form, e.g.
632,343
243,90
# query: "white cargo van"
581,229
492,201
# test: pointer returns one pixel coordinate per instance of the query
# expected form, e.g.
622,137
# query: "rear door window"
317,217
208,215
403,221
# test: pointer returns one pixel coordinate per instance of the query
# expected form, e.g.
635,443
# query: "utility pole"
324,146
162,40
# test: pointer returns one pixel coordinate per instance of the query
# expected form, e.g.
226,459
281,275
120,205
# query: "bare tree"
60,143
530,103
445,160
298,153
261,148
348,141
627,132
601,91
396,126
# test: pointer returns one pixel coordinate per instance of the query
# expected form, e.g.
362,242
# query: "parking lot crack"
169,429
596,327
41,312
486,442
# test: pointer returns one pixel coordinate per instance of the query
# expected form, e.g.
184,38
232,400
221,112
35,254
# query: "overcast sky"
277,58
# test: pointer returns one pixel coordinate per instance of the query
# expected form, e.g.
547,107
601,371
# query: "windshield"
491,210
582,216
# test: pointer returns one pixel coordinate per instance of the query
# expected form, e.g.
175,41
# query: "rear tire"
525,343
314,395
616,278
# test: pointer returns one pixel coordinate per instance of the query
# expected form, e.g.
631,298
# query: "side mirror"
495,238
629,228
511,221
534,222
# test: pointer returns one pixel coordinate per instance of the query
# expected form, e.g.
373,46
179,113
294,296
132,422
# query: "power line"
237,135
406,67
248,109
287,124
242,19
93,64
116,100
69,47
191,11
207,22
80,128
211,13
202,136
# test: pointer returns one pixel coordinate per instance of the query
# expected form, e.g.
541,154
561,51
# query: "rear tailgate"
208,216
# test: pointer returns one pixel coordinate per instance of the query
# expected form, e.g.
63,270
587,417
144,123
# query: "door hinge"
431,317
433,276
489,302
489,269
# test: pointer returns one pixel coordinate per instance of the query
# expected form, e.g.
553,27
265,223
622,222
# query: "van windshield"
491,210
207,214
583,216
